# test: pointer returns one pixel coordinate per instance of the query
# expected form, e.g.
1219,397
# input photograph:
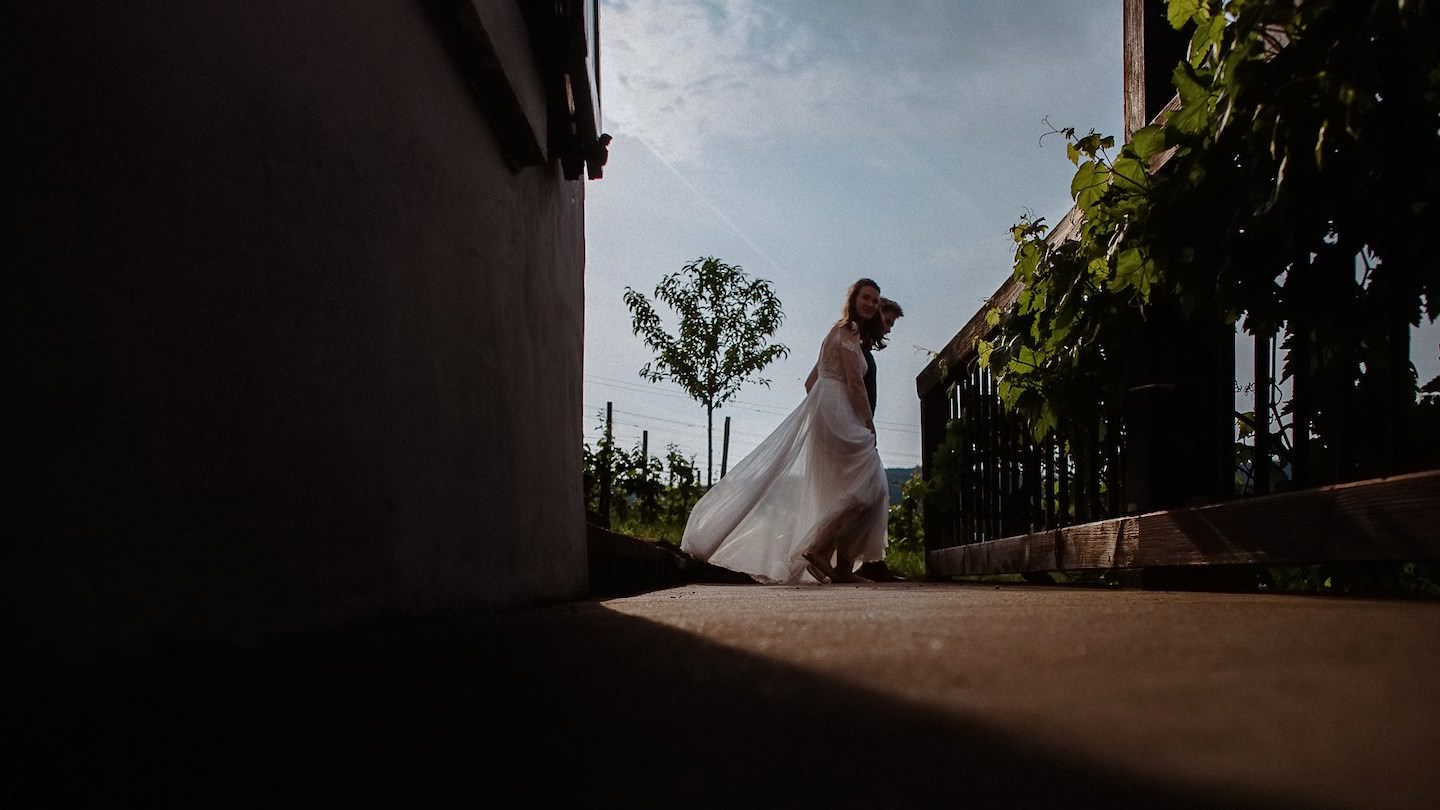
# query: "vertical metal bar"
1031,484
1115,480
982,455
977,464
1048,483
973,421
1063,471
1260,458
969,508
962,485
960,503
988,455
1094,460
1005,467
955,524
997,460
1300,461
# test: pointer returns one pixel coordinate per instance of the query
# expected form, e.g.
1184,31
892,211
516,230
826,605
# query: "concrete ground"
878,696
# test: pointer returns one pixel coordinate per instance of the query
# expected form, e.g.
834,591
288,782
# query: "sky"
814,142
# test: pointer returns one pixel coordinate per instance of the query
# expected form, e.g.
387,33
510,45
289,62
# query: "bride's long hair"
872,332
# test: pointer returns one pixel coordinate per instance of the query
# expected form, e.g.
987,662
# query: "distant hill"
896,476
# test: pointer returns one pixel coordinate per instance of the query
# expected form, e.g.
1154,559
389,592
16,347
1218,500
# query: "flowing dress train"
818,471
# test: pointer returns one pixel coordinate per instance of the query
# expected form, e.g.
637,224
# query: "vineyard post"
606,462
725,448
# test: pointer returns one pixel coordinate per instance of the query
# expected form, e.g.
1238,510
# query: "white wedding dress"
818,471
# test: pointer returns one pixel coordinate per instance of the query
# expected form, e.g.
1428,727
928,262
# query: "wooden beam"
1377,520
1134,66
491,46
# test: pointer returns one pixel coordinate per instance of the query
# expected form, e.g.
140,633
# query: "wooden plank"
1396,518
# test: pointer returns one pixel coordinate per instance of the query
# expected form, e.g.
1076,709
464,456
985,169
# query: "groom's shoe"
846,575
877,571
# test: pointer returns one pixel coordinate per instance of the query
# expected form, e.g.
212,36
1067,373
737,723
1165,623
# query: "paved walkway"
876,696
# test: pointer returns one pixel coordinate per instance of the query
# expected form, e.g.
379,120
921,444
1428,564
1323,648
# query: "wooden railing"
1161,479
1002,481
1008,503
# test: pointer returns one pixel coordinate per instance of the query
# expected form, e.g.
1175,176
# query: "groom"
890,311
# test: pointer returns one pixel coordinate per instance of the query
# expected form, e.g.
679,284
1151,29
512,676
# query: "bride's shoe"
818,566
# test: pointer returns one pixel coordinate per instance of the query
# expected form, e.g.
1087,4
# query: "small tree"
726,319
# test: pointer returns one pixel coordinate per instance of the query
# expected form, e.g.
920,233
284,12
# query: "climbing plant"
1294,188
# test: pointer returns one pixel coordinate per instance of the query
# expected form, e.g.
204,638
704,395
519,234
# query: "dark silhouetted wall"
292,346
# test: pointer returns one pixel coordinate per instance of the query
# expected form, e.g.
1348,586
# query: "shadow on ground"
574,704
621,565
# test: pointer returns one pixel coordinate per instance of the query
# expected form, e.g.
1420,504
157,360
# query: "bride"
810,501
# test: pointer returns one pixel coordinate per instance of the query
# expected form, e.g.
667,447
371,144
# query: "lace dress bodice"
843,360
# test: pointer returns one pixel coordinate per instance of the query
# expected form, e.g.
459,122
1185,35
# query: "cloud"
693,78
892,139
687,77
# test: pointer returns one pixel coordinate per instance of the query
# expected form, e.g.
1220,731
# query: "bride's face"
867,303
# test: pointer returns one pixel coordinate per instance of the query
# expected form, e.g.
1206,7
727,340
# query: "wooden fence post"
607,456
725,448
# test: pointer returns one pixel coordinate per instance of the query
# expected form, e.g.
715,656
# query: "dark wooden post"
1152,50
1179,411
1398,395
725,448
1387,389
607,457
1179,403
935,415
1134,33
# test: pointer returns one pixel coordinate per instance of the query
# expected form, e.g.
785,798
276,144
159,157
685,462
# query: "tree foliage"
905,525
1307,135
725,320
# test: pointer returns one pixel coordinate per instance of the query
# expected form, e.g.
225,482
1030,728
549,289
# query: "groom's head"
890,311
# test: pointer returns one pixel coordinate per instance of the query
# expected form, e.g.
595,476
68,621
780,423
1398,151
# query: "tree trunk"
709,445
